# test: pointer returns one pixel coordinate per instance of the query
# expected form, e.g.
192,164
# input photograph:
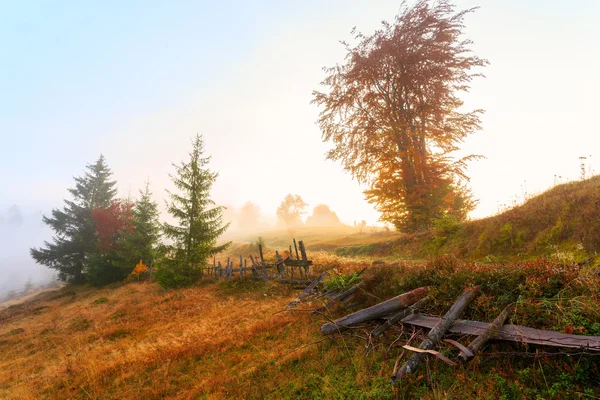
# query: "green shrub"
176,274
341,282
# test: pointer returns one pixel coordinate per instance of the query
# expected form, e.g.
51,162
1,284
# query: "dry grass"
231,340
143,343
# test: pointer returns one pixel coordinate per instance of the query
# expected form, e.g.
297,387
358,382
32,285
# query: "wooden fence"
283,266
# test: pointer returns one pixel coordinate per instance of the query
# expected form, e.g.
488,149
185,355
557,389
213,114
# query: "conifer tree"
141,244
199,221
75,232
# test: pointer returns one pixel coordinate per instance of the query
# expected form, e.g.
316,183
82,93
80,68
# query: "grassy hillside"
233,339
562,222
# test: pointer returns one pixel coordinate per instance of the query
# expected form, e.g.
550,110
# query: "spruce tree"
200,222
141,244
75,232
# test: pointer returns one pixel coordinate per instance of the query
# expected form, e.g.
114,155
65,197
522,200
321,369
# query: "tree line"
99,238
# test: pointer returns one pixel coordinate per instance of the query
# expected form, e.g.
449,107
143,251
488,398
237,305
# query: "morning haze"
136,83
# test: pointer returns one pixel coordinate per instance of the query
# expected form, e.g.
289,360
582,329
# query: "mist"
19,231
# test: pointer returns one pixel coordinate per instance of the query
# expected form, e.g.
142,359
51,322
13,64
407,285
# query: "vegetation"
560,223
200,222
393,114
290,210
143,342
74,245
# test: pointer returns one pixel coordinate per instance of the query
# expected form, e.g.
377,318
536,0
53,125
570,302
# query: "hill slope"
563,221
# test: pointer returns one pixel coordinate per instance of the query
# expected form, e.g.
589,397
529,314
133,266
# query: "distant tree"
75,231
200,222
248,216
28,287
393,114
291,209
323,216
362,225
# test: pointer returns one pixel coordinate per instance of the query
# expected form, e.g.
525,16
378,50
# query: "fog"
20,230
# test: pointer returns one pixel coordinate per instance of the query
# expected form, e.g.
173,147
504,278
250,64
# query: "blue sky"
136,80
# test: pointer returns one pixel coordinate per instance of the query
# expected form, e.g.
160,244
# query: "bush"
176,274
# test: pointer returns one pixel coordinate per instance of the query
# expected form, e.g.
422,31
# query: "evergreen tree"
75,239
200,222
141,244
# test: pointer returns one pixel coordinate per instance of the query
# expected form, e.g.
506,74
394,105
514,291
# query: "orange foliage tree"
392,112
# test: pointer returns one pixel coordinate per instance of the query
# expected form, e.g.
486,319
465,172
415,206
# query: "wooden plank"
298,263
303,250
436,333
380,310
260,252
306,291
296,247
512,333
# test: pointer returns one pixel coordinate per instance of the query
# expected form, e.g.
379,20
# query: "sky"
136,80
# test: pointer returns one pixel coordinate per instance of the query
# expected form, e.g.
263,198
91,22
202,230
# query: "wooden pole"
437,333
260,251
377,311
480,340
303,250
296,247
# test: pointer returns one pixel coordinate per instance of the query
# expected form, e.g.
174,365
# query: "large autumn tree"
393,114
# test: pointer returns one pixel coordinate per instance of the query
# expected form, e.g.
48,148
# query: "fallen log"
480,340
338,298
512,333
294,282
377,311
398,317
306,291
437,333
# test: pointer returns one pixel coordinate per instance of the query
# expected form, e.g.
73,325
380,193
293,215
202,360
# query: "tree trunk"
436,333
480,340
377,311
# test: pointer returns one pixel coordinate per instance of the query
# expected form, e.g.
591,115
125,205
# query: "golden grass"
143,343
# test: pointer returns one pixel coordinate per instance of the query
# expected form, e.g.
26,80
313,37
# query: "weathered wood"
260,252
303,250
294,282
297,263
512,333
377,311
398,317
296,247
306,291
437,333
338,297
480,340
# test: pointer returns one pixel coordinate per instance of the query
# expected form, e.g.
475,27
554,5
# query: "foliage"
291,209
142,242
392,113
200,222
74,243
112,223
139,273
341,282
